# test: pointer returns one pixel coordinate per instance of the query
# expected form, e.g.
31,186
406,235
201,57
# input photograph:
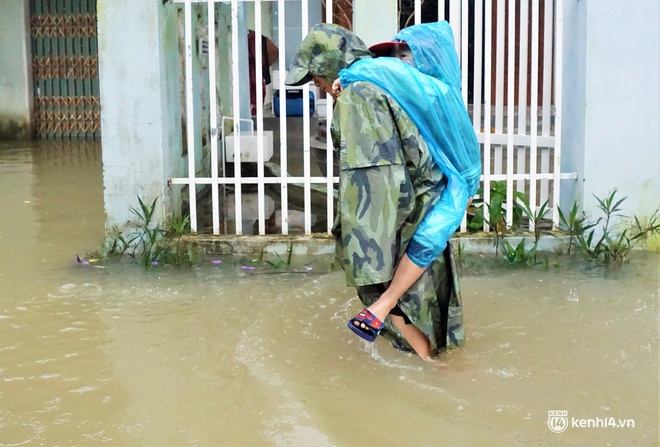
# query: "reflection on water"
220,356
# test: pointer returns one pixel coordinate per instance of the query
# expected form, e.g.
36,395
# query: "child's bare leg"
405,276
413,336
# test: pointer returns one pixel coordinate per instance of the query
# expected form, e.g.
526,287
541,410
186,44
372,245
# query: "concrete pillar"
141,107
16,100
573,101
373,30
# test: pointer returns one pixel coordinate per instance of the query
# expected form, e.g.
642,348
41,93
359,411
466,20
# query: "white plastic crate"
249,146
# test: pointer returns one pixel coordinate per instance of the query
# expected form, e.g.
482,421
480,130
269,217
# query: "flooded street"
218,356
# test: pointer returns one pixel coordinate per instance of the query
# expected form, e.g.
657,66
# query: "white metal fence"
510,52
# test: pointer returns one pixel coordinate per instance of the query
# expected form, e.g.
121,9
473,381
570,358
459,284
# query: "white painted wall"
140,94
15,70
375,30
621,103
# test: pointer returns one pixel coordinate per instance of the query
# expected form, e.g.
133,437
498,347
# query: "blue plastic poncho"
430,94
432,45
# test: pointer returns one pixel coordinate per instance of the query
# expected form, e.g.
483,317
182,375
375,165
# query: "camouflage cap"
327,49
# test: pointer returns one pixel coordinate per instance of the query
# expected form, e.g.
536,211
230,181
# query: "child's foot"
378,310
366,325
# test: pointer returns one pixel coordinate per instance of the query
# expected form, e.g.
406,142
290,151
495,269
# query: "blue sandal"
372,323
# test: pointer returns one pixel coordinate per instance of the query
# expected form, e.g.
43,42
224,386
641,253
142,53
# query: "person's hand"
336,88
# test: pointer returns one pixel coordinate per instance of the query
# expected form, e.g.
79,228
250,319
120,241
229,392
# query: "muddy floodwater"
219,356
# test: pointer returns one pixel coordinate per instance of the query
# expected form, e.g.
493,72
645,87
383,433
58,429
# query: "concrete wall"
621,92
374,31
15,71
141,119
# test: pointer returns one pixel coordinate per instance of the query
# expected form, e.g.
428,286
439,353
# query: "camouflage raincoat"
387,183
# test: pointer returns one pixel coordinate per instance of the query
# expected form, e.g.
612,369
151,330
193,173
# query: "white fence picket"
514,66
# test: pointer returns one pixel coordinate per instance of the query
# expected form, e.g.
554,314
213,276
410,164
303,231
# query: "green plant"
612,247
642,231
537,218
496,207
588,242
610,207
120,245
573,225
177,251
496,221
281,263
519,254
148,234
149,243
616,247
